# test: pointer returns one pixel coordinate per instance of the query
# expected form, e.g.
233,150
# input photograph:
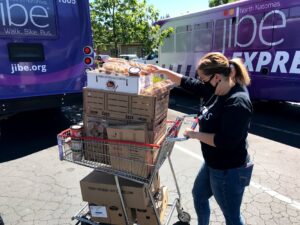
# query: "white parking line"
275,129
269,191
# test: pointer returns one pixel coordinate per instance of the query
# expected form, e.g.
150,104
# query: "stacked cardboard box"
133,159
129,108
124,117
100,191
147,216
131,117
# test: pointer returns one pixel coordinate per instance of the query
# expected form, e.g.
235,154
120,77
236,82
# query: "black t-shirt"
228,117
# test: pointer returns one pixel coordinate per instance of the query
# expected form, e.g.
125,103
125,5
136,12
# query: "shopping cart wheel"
184,217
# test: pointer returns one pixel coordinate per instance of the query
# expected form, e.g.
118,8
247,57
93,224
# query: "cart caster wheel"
184,217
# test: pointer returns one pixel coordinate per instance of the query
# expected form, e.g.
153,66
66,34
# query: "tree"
213,3
124,22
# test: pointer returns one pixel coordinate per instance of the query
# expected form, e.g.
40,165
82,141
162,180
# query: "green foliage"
124,22
213,3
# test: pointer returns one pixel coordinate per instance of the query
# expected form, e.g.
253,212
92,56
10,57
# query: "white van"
151,58
129,57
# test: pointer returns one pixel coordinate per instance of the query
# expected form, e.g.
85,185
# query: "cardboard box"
96,152
132,133
92,150
95,127
153,135
99,213
100,188
128,107
147,216
132,161
129,158
110,214
118,82
158,132
155,184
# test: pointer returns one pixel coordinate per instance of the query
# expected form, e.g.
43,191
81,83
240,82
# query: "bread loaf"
121,66
158,88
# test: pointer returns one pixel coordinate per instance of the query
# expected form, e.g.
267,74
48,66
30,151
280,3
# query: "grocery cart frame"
164,146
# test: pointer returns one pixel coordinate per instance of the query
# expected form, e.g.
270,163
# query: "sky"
177,7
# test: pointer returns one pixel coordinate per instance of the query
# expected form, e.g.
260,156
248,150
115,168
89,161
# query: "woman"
223,129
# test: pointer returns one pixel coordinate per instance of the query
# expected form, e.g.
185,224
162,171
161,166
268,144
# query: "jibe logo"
257,27
20,16
26,68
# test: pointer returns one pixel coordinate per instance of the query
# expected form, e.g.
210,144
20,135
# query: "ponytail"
242,75
216,62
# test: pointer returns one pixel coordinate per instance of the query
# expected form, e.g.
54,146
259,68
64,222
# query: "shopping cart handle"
193,127
171,139
191,115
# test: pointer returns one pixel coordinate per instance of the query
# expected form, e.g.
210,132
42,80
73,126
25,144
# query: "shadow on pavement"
30,132
277,121
184,102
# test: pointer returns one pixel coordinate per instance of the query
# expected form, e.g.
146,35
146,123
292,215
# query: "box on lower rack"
110,214
147,216
123,106
100,188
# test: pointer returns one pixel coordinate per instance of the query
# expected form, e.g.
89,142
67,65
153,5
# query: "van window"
295,12
151,56
26,52
219,30
202,37
168,44
128,56
292,17
184,38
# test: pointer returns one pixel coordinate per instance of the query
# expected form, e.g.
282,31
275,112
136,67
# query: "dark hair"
216,62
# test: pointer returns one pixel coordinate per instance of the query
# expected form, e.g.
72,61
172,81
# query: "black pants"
1,221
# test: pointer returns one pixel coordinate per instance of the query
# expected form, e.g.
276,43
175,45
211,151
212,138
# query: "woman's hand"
156,69
189,133
207,138
173,76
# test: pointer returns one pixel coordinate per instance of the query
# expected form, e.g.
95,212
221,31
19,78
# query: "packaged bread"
117,60
158,88
115,67
125,67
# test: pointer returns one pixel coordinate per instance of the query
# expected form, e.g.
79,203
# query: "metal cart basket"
137,162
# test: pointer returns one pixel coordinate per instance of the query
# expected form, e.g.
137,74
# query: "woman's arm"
173,76
207,138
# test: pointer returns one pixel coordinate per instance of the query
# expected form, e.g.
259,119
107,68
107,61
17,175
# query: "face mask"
209,86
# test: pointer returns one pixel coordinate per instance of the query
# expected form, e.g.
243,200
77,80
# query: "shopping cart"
137,162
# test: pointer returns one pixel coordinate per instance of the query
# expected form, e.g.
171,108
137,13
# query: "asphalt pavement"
39,189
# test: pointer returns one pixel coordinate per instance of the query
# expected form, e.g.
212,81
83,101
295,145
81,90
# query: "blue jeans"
227,186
